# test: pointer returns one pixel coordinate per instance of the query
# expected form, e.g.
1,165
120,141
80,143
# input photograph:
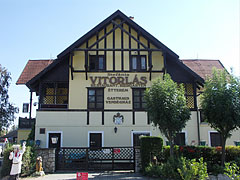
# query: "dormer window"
138,63
97,63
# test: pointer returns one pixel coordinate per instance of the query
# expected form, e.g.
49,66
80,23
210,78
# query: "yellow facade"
23,134
118,81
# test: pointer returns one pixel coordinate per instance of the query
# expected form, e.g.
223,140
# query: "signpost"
82,176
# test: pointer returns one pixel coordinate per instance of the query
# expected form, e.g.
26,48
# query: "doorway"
54,140
95,139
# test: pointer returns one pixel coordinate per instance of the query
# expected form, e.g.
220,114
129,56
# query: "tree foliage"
167,108
7,110
220,103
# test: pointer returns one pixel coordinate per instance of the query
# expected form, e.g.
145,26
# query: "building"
92,94
25,126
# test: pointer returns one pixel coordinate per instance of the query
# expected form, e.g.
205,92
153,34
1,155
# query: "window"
97,63
138,63
95,98
42,131
215,139
202,117
138,99
54,95
180,139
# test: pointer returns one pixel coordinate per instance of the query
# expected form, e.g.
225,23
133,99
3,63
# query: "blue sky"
41,29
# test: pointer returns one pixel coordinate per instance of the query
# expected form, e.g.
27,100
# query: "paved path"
121,175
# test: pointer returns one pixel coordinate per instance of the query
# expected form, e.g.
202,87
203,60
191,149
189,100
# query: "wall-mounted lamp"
115,129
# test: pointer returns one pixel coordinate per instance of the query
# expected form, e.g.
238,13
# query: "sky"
42,29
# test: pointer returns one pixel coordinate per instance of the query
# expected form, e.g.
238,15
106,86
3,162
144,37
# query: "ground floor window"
215,139
136,137
180,139
95,139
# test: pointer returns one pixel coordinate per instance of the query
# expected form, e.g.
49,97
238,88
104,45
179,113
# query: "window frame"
141,91
95,102
209,136
139,63
185,138
96,61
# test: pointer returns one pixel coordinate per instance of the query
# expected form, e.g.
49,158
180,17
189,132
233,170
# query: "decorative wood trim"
133,117
105,47
87,117
105,35
117,49
128,33
102,117
113,48
122,53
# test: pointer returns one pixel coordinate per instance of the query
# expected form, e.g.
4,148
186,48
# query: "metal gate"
92,159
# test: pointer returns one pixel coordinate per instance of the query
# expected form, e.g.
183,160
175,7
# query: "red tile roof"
203,67
32,68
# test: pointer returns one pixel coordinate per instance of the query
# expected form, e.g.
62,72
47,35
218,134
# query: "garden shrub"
7,164
193,170
28,165
166,170
150,147
232,171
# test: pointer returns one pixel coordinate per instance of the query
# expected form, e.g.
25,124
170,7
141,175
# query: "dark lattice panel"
189,88
100,154
190,101
123,153
54,93
95,159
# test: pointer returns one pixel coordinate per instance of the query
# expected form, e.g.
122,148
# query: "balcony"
54,96
25,123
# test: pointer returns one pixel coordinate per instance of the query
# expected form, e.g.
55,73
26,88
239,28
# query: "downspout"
198,126
196,105
30,111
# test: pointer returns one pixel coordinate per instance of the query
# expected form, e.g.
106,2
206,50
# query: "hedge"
150,146
211,155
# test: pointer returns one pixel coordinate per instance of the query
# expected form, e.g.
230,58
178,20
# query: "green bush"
7,164
232,171
28,165
166,170
193,170
150,147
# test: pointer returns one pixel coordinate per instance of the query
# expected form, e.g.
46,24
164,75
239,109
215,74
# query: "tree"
220,103
7,110
167,108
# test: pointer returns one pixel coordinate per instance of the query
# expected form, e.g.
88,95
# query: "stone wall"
48,157
138,165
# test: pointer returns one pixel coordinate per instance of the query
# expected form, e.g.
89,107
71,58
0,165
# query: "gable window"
215,139
139,102
138,63
95,98
54,95
97,63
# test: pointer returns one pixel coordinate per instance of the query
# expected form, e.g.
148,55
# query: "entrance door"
95,140
54,140
136,137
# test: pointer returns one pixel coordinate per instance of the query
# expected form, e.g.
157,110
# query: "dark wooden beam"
113,48
105,47
119,49
71,65
118,25
122,52
105,35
